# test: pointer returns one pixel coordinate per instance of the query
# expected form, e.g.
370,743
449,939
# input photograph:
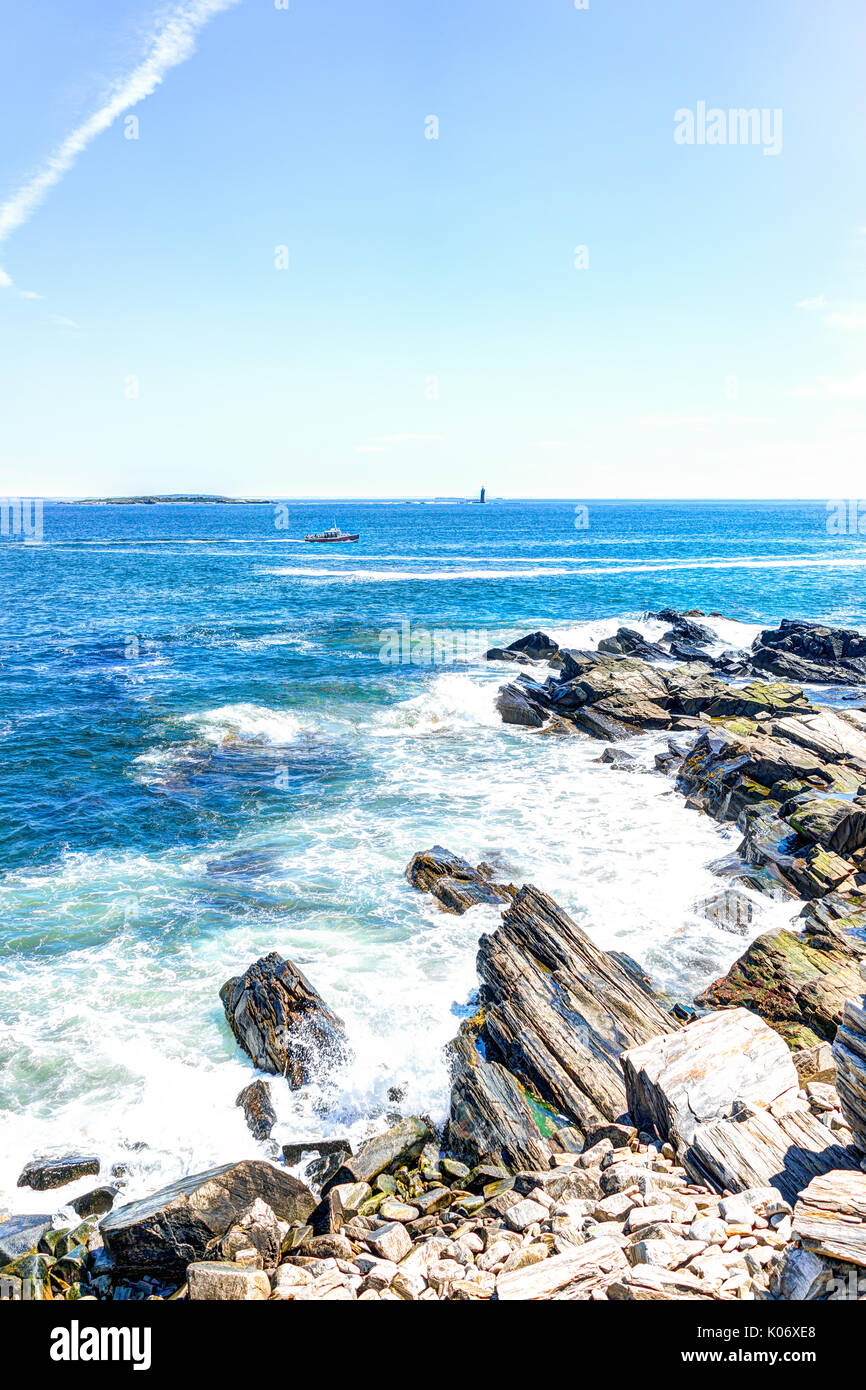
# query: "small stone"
641,1217
524,1214
709,1229
391,1242
226,1282
393,1210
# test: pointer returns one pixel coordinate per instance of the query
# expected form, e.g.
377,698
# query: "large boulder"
453,881
678,1081
188,1221
282,1021
559,1012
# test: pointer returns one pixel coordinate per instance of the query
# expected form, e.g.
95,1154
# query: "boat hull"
330,540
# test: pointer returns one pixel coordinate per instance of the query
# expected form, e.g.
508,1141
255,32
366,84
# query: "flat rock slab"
680,1080
188,1220
46,1173
591,1266
830,1217
763,1150
559,1012
652,1284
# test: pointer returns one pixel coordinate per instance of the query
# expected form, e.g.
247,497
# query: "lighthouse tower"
481,498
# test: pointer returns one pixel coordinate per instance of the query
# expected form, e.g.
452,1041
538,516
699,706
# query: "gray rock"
401,1143
186,1221
258,1108
678,1081
19,1235
46,1173
282,1022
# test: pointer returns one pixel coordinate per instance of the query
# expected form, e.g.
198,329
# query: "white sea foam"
114,1032
244,721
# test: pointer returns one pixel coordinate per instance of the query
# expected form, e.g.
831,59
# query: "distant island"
164,499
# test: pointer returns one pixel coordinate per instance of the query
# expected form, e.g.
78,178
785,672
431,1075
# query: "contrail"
173,43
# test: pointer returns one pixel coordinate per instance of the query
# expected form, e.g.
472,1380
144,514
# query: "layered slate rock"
516,707
758,1149
282,1021
558,1012
490,1115
454,882
678,1081
188,1220
43,1174
849,1053
830,1216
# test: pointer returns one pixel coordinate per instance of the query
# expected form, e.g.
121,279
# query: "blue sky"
432,331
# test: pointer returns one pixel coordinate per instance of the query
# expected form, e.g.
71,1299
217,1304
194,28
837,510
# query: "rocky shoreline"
599,1144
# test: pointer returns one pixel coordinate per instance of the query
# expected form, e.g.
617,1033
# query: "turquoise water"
205,758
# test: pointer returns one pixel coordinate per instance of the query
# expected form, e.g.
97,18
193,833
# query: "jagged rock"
812,652
832,821
619,758
490,1114
258,1108
782,1150
801,1276
628,642
849,1054
186,1221
830,1216
536,645
685,629
454,882
678,1081
797,988
516,707
558,1012
256,1229
399,1144
600,725
44,1174
282,1022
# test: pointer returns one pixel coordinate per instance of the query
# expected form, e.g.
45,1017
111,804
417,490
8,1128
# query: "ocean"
217,742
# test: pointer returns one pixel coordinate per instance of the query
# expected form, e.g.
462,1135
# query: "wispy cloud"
172,43
846,388
850,316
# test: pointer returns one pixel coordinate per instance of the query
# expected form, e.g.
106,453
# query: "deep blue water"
204,756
